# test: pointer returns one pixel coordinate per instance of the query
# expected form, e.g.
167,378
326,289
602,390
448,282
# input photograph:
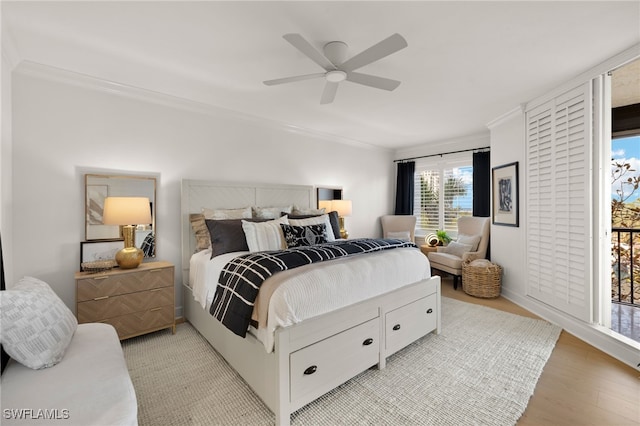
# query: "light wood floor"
580,385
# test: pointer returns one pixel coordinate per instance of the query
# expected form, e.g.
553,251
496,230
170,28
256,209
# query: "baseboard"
619,347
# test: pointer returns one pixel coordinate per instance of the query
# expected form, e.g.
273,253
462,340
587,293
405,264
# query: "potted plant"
443,237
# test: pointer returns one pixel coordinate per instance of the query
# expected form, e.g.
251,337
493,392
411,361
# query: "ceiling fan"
337,68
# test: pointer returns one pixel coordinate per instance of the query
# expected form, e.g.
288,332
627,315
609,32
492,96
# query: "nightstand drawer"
94,286
113,306
137,323
135,301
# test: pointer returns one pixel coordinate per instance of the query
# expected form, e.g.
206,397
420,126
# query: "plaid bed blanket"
242,277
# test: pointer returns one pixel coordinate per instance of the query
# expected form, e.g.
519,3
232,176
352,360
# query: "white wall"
508,242
62,129
5,164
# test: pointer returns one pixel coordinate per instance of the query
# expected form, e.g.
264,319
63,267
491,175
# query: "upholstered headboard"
198,194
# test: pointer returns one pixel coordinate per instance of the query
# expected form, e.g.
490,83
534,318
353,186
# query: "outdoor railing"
625,270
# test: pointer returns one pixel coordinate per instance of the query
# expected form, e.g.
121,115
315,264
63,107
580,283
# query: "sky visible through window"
627,150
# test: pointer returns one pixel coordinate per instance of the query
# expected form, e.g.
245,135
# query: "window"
443,193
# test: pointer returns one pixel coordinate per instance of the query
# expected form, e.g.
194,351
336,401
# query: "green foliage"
443,237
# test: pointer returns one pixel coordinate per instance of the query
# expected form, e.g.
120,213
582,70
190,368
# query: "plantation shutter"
559,202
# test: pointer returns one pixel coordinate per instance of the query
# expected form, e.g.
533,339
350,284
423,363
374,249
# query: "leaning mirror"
99,187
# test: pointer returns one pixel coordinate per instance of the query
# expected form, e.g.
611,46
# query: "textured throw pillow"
265,236
472,240
400,235
311,212
457,249
200,230
36,326
316,220
298,236
218,214
270,212
227,235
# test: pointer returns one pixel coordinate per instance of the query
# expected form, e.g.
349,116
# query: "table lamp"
343,207
127,212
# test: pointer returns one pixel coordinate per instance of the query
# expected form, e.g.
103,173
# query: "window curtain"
404,188
482,184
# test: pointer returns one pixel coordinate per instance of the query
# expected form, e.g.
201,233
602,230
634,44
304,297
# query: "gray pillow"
37,326
457,249
227,235
472,240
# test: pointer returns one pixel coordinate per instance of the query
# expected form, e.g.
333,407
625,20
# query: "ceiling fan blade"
378,51
305,47
373,81
329,92
292,79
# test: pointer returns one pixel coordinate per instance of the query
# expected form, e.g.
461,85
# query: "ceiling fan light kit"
337,69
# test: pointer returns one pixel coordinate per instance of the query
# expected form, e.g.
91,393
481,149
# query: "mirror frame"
103,192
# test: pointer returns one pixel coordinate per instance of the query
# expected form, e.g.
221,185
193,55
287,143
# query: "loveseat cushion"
90,386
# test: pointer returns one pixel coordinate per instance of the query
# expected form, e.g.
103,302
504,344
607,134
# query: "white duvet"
292,296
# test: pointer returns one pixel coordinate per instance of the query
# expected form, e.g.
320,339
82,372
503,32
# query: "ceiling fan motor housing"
336,52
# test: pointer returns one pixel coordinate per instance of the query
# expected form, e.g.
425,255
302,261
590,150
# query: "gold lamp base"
130,256
343,232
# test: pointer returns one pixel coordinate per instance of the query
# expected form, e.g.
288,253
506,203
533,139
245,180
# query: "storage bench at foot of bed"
340,344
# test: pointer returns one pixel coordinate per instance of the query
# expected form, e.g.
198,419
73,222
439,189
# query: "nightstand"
425,248
135,301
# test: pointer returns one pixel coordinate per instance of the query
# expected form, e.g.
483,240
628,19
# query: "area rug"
481,370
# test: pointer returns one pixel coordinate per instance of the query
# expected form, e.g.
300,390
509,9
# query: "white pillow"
472,240
219,214
36,326
270,212
399,235
265,236
316,220
457,249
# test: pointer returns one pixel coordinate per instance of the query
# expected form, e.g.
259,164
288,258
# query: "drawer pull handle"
101,298
155,270
154,309
368,342
104,277
311,370
396,327
155,289
429,311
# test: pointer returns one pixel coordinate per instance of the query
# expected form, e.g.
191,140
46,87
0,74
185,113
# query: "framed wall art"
94,251
505,194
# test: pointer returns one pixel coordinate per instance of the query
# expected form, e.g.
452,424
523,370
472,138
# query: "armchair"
398,226
471,244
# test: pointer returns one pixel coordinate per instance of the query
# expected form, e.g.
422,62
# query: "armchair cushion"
445,261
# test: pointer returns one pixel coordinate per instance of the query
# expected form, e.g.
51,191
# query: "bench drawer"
410,322
318,368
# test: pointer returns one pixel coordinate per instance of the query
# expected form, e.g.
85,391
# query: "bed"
301,359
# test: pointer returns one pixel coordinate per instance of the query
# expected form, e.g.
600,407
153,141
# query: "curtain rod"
444,153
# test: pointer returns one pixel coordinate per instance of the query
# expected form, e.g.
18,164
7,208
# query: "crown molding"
516,112
59,75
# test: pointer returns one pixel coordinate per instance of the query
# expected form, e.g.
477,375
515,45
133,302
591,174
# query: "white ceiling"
467,63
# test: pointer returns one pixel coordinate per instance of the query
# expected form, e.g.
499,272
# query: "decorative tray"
98,266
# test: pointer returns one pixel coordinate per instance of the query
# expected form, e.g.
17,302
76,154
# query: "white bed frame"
340,344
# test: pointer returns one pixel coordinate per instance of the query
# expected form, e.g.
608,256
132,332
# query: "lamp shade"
343,207
126,211
325,204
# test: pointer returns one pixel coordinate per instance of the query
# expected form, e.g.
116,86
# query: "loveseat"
60,372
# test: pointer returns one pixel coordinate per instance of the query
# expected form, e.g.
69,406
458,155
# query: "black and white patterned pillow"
298,236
